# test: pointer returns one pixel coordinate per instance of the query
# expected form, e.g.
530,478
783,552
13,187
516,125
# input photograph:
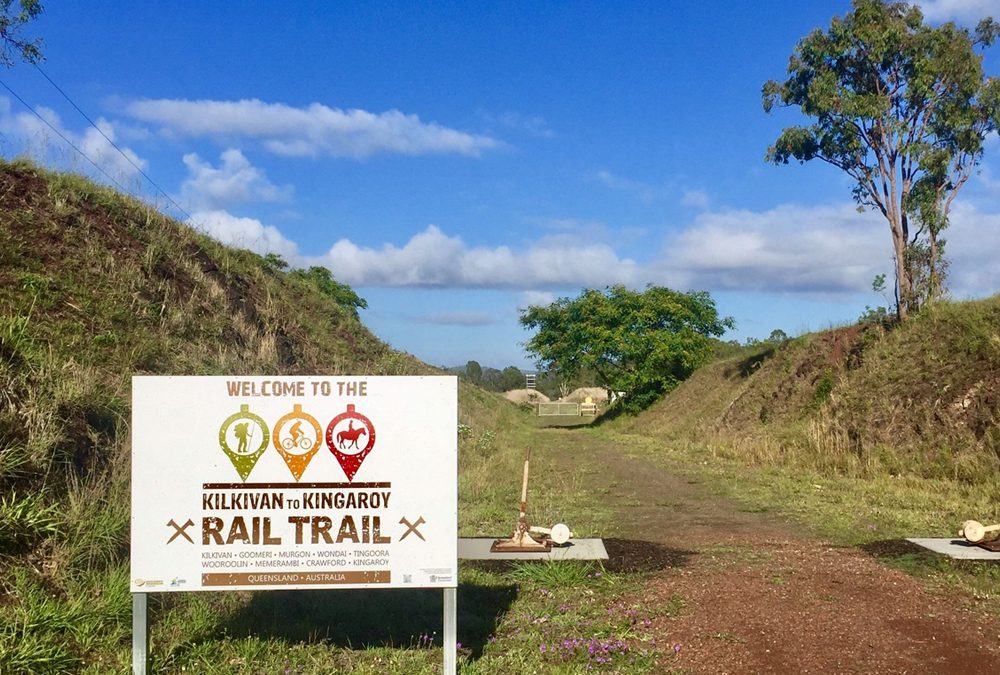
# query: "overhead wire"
110,141
63,136
83,154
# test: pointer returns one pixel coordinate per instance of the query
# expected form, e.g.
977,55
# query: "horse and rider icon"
349,437
343,437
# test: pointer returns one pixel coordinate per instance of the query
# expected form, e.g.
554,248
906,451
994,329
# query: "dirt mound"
597,394
526,396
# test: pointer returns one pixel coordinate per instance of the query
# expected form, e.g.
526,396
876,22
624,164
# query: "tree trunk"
904,280
933,282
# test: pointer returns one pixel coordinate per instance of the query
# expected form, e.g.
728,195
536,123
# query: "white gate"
551,409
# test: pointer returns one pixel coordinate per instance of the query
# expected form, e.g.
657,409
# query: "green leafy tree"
638,342
474,372
275,262
511,377
340,293
556,385
901,107
12,19
492,380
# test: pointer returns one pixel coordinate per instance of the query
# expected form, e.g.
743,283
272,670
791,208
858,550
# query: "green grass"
95,287
874,513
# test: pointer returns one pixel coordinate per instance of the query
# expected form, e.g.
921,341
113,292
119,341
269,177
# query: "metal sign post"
140,634
450,639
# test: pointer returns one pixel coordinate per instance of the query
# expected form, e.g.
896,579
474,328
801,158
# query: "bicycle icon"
302,443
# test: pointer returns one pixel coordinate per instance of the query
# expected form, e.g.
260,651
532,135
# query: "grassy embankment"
864,435
96,287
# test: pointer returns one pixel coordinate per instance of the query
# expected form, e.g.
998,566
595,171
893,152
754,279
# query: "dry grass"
922,400
96,287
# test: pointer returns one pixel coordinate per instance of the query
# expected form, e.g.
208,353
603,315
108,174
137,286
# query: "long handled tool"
521,541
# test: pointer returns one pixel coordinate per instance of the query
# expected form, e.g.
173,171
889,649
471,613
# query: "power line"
113,144
62,136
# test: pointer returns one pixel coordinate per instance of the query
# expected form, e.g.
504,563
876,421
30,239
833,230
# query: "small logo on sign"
297,436
350,437
244,438
179,530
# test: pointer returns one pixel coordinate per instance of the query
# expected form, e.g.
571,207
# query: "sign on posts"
266,483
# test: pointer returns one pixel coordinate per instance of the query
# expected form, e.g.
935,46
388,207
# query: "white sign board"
245,483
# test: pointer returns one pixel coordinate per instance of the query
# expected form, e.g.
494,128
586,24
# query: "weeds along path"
759,595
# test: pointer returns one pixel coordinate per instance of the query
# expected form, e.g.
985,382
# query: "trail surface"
762,597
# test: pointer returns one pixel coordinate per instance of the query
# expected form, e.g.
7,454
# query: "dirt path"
762,598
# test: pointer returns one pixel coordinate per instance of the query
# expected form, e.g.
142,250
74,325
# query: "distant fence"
547,409
575,409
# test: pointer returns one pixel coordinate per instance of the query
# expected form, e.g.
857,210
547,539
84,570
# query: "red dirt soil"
760,597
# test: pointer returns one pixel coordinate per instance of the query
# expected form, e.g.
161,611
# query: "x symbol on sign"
180,530
412,528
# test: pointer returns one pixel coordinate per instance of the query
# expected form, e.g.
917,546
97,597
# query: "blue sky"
457,161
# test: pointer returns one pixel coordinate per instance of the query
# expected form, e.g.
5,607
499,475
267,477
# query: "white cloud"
820,249
650,192
537,298
969,11
99,149
234,181
433,259
248,233
310,131
828,251
973,240
36,138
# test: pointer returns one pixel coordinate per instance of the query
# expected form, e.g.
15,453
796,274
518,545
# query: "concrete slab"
956,548
575,549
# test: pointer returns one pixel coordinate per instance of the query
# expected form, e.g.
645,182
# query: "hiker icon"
246,433
240,431
243,437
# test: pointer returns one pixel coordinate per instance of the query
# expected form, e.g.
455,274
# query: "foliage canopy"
641,343
901,107
12,20
342,294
